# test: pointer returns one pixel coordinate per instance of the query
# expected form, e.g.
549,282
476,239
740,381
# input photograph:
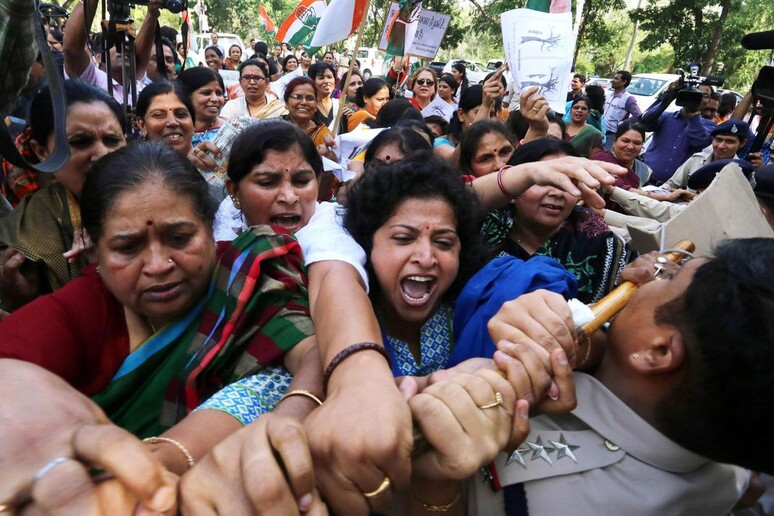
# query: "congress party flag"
268,25
339,21
302,22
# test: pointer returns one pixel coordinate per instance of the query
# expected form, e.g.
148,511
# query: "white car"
199,42
476,72
371,62
647,86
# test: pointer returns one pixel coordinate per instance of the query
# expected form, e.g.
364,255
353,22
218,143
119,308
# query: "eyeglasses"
425,82
252,78
308,98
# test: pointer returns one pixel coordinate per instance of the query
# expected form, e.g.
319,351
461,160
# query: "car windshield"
645,87
362,54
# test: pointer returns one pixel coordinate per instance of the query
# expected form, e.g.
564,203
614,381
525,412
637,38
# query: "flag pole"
343,96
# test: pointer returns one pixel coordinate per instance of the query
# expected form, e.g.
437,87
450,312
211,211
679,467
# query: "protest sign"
428,33
439,107
727,209
231,82
539,50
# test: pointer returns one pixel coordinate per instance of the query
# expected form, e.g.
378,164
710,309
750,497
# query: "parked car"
371,61
476,71
599,81
494,64
437,67
647,86
201,41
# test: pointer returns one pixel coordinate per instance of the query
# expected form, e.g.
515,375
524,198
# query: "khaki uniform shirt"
604,459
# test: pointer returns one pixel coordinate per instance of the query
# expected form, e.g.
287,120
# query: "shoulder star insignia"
564,449
539,451
516,456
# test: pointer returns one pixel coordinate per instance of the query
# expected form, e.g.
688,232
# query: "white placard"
539,49
439,107
349,145
429,32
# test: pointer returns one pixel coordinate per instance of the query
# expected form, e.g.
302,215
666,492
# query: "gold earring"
635,356
236,202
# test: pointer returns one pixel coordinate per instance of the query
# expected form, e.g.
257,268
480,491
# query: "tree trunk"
712,51
698,17
581,32
629,52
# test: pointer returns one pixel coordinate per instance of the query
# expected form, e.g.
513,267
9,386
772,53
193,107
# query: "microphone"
759,40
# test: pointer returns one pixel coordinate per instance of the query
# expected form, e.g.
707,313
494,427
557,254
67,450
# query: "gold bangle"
158,440
588,352
438,508
301,392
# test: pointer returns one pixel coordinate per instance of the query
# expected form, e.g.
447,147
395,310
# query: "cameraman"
78,64
677,134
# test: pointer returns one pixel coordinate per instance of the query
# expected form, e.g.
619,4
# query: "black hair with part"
393,112
629,125
252,144
191,79
722,406
727,104
294,83
286,60
538,149
254,62
318,69
370,88
382,188
596,96
127,168
470,98
41,118
155,89
471,139
556,118
406,139
438,120
450,81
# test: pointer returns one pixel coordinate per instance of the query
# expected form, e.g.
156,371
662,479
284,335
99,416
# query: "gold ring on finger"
497,402
384,486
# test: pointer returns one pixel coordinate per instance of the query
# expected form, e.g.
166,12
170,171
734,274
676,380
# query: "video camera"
763,87
689,95
120,8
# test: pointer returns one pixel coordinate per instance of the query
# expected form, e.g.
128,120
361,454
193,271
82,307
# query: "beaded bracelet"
349,351
301,392
158,440
505,192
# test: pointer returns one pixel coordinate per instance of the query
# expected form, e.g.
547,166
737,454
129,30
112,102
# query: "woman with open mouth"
583,136
546,221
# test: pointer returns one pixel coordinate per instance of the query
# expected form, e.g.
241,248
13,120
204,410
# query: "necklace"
153,326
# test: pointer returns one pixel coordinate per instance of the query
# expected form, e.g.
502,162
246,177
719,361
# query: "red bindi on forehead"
149,222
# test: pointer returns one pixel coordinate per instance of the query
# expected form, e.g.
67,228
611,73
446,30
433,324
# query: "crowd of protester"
210,309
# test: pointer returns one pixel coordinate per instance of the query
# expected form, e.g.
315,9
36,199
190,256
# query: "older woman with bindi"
41,240
166,306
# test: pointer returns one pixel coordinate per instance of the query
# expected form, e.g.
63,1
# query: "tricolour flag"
268,25
301,23
340,21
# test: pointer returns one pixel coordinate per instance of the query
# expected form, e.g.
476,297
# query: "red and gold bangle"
505,192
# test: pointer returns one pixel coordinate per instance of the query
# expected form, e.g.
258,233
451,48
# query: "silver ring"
45,470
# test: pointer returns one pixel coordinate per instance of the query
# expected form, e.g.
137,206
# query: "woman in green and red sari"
166,319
